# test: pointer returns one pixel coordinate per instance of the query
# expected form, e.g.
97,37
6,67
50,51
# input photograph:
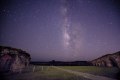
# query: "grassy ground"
50,73
102,71
43,73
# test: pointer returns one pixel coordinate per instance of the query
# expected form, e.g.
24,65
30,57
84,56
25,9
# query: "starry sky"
64,30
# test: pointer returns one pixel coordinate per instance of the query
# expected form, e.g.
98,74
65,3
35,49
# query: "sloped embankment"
12,59
109,60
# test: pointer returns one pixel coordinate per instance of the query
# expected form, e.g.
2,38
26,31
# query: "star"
110,23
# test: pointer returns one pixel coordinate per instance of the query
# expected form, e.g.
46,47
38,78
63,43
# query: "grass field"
50,73
101,71
44,73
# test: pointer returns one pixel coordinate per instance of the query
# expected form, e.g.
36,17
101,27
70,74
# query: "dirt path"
86,75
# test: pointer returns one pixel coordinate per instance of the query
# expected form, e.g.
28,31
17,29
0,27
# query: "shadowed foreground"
86,75
52,73
44,73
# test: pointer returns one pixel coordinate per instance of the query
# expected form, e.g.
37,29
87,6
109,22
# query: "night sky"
64,30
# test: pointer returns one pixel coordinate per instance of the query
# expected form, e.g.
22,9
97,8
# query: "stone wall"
109,60
12,59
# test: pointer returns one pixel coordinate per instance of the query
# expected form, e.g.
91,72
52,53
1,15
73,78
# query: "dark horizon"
61,30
